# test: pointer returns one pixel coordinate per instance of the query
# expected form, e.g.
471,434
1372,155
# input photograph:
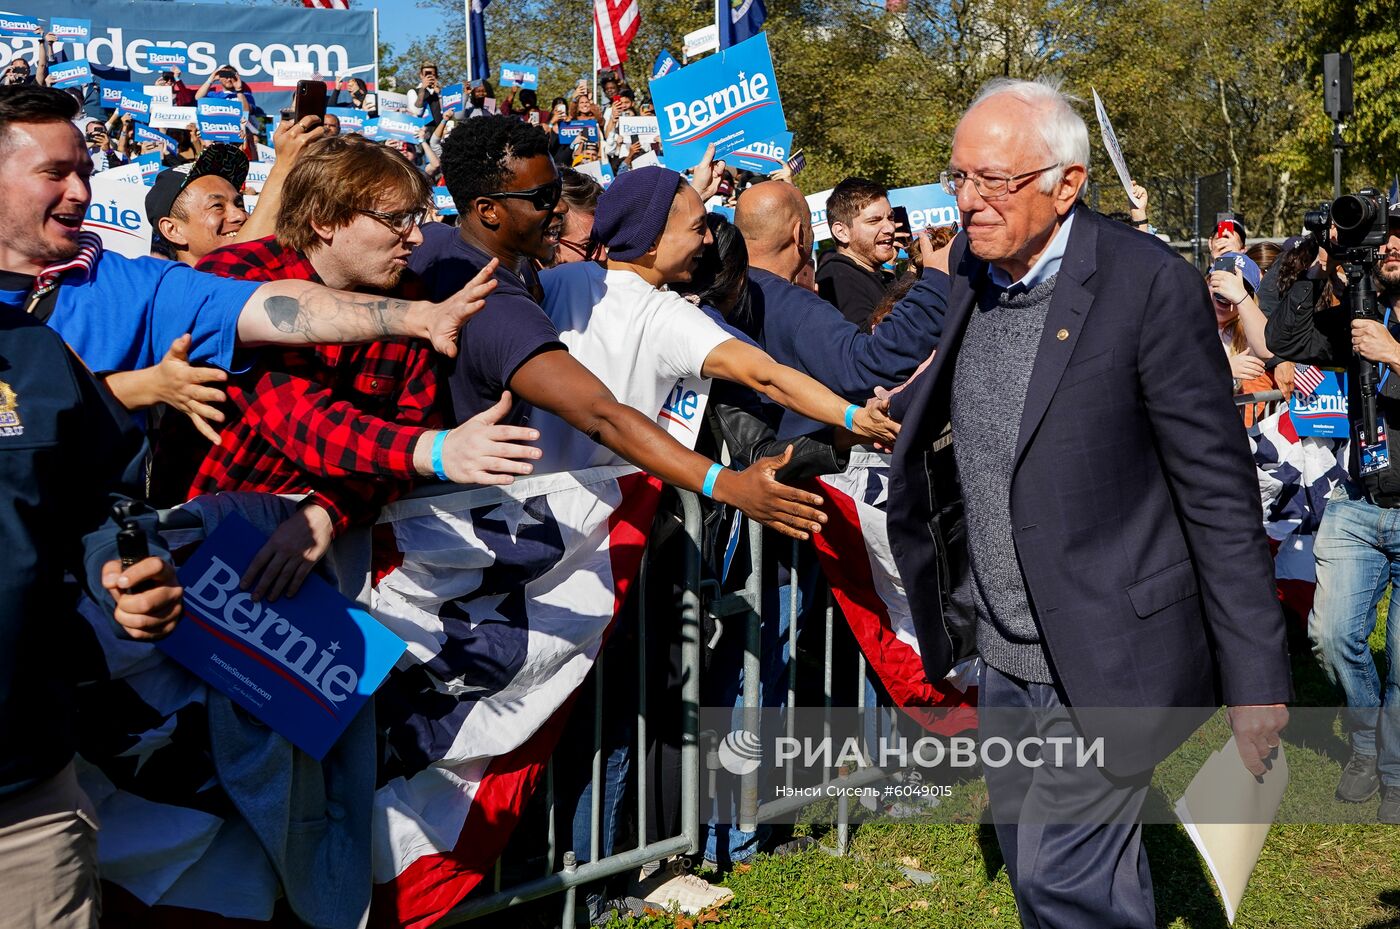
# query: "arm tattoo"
327,316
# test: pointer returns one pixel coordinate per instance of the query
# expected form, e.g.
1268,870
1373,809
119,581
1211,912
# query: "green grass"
1338,875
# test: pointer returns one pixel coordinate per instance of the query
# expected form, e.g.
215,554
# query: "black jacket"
66,447
850,287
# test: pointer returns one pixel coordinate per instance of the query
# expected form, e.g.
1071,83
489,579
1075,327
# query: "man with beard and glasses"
510,197
350,427
852,276
119,313
1358,545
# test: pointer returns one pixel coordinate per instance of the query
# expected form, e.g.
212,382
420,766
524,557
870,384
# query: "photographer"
1356,545
426,97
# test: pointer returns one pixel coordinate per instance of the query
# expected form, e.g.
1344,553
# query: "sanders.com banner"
123,35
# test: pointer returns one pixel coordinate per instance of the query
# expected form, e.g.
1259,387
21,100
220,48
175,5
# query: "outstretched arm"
300,313
556,382
738,361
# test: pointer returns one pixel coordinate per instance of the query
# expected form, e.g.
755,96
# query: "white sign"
266,153
646,160
1115,153
644,126
701,41
287,73
160,93
821,230
117,212
257,176
391,102
166,116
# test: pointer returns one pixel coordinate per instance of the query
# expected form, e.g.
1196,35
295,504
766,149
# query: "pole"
467,23
593,12
1196,223
376,49
1337,146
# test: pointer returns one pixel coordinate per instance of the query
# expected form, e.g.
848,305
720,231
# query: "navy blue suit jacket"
1134,503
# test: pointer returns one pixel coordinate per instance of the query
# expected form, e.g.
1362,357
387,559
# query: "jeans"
1358,554
725,842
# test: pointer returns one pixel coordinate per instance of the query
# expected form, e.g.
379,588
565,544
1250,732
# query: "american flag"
327,4
1306,380
853,549
617,22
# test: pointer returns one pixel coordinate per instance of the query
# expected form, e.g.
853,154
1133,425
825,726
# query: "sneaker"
620,908
690,894
1359,781
1390,805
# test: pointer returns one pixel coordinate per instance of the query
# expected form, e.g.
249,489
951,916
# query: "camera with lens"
1360,220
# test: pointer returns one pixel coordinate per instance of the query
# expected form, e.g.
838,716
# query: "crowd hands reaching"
337,233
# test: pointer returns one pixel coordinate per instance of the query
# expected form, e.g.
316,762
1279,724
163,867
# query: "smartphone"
1224,263
534,117
797,162
901,223
309,100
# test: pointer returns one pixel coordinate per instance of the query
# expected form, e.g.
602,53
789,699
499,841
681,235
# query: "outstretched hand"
757,492
444,324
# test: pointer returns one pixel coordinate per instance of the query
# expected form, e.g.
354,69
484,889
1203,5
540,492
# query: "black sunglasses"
542,198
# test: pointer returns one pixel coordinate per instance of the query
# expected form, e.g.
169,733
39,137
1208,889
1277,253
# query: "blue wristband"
708,488
439,441
851,412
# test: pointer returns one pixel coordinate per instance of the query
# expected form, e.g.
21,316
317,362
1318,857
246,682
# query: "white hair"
1062,130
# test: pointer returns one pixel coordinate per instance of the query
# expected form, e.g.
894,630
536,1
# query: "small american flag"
327,4
1306,380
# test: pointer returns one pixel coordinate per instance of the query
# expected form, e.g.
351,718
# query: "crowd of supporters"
346,342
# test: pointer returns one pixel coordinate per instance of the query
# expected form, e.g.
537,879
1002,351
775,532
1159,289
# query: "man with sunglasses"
1093,531
511,200
348,426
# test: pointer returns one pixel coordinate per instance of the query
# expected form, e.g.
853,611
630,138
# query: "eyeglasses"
988,187
543,198
402,222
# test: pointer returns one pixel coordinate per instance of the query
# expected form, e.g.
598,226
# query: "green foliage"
1193,88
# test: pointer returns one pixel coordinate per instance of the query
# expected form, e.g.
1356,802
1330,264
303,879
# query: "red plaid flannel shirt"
337,422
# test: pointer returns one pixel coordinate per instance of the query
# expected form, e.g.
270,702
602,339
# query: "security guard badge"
10,424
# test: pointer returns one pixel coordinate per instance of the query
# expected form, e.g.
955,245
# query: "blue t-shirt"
507,332
129,310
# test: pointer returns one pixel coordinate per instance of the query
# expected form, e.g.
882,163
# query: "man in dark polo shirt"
510,197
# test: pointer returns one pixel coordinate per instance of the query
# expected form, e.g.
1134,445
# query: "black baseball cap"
227,161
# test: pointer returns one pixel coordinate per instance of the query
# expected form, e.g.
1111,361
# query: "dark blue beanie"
632,213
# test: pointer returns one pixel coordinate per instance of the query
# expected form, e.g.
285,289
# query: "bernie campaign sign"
729,99
147,134
928,205
762,157
304,665
452,97
351,119
220,120
254,39
166,57
524,76
1323,412
71,73
402,127
70,30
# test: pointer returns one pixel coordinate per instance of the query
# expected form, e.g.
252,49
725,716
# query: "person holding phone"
426,96
852,277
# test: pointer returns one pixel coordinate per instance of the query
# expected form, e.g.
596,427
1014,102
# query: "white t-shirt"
636,339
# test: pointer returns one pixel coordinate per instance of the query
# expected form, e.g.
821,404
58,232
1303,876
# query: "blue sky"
401,22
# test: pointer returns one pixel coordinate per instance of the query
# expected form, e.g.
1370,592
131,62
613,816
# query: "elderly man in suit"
1093,530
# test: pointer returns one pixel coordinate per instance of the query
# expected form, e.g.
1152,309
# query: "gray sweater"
990,378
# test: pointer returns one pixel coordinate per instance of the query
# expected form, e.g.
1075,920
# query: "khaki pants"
48,857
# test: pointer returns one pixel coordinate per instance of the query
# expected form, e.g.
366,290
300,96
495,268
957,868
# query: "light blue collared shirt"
1045,266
